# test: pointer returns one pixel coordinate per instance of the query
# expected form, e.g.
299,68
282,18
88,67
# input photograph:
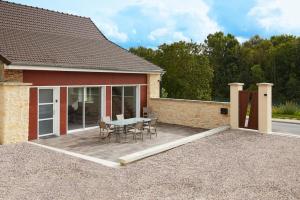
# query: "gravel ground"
229,165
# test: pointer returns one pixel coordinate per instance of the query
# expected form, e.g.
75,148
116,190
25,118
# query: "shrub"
289,108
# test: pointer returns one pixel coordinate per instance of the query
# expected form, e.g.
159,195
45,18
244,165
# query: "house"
74,74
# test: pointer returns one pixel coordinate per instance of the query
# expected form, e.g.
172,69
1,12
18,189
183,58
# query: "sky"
149,23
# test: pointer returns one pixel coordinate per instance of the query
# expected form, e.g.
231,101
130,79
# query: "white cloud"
277,15
180,36
182,20
241,39
169,20
158,33
112,31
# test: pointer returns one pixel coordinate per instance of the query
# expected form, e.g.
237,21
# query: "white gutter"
48,68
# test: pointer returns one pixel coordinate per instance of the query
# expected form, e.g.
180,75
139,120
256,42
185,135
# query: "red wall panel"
108,101
143,95
32,132
63,110
43,78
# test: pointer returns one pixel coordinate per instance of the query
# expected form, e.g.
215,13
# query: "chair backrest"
139,125
153,122
102,125
146,111
106,119
120,117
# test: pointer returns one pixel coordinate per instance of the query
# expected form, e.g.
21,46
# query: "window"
124,101
84,107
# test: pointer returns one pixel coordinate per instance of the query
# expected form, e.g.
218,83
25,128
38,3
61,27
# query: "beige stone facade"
195,113
1,71
14,112
153,81
265,107
235,88
10,75
13,75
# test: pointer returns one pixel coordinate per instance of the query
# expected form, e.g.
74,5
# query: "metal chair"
107,119
120,117
152,127
138,130
146,112
105,132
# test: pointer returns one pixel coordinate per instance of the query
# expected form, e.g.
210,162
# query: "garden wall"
194,113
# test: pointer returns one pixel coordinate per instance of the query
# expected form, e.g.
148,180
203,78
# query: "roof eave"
4,60
77,69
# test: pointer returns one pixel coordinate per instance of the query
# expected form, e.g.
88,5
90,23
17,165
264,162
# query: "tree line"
203,70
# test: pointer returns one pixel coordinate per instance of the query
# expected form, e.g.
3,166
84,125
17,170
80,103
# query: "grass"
289,110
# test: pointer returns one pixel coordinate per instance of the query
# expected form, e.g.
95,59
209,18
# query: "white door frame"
56,111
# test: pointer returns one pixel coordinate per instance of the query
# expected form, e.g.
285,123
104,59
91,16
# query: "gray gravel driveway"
230,165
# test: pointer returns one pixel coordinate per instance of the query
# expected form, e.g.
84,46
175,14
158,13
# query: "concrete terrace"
87,142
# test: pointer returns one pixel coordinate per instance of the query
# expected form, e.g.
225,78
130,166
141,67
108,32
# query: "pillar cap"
264,84
15,84
236,84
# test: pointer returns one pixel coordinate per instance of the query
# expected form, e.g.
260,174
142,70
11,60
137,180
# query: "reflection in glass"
45,127
46,111
46,96
117,93
75,108
92,106
129,102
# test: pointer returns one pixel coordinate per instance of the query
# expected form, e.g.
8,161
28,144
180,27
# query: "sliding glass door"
84,107
124,101
117,99
92,106
129,102
75,108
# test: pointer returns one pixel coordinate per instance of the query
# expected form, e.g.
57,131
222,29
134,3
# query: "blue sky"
150,23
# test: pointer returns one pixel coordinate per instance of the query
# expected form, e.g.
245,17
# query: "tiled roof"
40,37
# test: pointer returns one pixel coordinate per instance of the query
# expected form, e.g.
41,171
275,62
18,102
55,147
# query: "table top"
129,121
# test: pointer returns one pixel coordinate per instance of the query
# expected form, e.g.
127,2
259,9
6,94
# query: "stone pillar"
234,104
153,81
14,112
265,107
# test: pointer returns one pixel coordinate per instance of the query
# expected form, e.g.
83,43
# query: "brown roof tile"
34,36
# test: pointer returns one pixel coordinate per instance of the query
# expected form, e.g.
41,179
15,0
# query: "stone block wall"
13,75
194,113
14,112
10,75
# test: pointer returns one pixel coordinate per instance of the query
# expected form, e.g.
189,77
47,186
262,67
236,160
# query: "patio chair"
105,132
107,119
138,130
120,117
152,127
146,112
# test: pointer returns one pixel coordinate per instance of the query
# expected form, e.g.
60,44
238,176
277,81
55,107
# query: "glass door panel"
75,108
46,114
92,106
117,96
129,102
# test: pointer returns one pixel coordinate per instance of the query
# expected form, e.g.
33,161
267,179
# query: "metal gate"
248,100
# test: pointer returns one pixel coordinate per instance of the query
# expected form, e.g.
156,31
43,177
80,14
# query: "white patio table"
130,121
126,122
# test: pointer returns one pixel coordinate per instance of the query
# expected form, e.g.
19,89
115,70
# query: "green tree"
188,73
223,52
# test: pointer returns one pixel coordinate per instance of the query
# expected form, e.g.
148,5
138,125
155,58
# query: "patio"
87,142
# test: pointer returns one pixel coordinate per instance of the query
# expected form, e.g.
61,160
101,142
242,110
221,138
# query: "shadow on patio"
88,143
